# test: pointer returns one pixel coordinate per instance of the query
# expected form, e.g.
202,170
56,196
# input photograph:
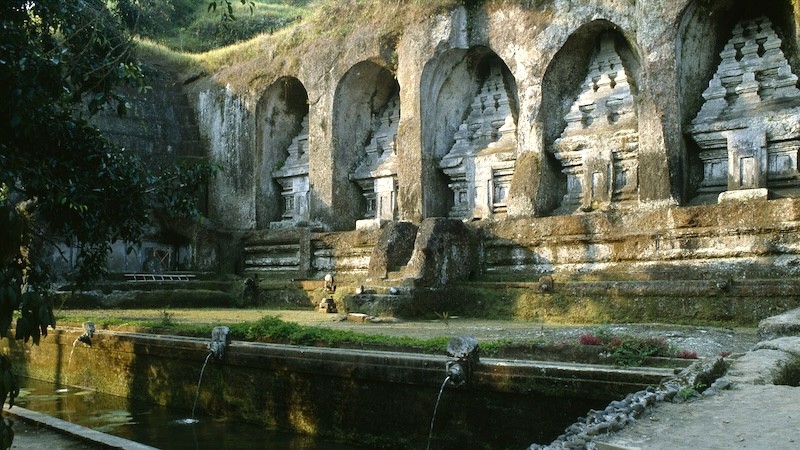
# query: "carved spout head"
463,352
456,373
88,329
220,339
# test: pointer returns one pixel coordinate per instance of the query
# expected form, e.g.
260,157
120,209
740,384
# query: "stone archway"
282,134
365,115
469,113
737,71
590,116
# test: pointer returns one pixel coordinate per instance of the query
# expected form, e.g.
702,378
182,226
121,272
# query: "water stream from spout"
197,392
433,419
69,363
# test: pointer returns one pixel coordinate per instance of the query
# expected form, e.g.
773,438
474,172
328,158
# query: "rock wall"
669,52
560,129
352,396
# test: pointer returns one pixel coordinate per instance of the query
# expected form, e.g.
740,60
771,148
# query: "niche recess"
469,132
740,104
282,121
590,117
365,114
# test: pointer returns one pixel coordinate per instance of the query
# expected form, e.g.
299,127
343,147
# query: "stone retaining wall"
368,397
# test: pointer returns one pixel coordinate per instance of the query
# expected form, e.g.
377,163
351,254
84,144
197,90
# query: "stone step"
395,275
272,262
272,248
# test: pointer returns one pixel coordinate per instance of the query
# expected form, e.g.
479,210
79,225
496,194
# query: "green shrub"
633,351
626,350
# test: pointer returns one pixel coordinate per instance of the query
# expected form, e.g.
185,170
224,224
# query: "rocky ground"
753,413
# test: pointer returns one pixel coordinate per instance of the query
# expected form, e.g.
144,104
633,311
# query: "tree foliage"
62,61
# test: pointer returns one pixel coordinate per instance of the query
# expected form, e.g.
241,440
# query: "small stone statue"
328,305
330,284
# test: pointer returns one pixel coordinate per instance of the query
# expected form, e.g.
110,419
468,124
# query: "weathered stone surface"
393,249
480,164
384,117
444,60
293,178
748,128
377,172
445,252
786,324
598,148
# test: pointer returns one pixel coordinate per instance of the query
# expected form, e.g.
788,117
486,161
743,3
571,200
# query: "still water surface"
155,425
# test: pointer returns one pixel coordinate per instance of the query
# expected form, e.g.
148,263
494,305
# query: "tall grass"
192,27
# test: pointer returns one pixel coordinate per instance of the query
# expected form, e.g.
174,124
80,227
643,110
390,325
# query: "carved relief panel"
293,178
748,127
598,148
376,174
480,164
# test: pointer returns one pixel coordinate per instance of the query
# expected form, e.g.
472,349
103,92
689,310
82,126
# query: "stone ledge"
743,195
786,324
88,435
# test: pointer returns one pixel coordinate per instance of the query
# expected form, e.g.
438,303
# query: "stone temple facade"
293,178
481,161
645,140
606,105
377,174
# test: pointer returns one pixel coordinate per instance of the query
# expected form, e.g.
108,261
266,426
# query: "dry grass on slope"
331,23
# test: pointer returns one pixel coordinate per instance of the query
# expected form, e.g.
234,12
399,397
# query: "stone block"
786,324
743,195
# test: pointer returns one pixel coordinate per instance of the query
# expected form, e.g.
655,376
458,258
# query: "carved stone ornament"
748,129
293,178
598,149
376,174
480,164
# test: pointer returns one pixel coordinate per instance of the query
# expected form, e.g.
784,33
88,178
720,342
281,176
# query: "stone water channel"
363,398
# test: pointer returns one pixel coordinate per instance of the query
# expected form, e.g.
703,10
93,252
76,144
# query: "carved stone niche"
598,149
480,164
293,178
376,174
748,128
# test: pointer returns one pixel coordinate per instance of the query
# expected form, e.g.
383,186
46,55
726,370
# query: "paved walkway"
754,414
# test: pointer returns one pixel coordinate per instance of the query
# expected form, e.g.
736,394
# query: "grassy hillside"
193,26
321,24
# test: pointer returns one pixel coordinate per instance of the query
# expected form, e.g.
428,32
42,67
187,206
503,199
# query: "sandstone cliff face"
669,50
562,129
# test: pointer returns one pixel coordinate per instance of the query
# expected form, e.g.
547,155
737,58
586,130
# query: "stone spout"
88,333
464,355
220,339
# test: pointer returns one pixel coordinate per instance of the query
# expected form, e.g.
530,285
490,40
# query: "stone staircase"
388,289
275,252
351,260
